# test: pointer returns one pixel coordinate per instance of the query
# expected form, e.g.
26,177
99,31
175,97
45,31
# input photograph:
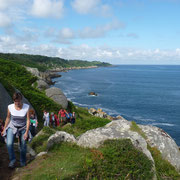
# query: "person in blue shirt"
68,117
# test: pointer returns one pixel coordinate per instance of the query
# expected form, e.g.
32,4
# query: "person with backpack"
33,122
53,119
62,116
73,118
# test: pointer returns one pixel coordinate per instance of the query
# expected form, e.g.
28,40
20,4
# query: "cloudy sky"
115,31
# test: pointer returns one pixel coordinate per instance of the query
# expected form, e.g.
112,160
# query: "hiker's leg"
10,144
22,148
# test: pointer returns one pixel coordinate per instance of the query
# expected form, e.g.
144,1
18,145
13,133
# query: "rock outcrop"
44,78
5,100
99,113
58,96
60,136
158,138
41,84
121,129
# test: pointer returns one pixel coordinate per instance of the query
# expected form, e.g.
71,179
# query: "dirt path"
5,172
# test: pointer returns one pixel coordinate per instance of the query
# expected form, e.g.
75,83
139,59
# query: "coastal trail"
5,172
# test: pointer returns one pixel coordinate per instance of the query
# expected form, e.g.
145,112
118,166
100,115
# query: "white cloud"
84,6
66,33
5,4
86,52
91,6
5,21
11,11
100,31
48,8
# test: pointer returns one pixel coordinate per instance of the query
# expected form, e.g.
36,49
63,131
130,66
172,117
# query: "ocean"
146,94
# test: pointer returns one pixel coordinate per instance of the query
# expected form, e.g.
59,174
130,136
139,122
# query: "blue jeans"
10,146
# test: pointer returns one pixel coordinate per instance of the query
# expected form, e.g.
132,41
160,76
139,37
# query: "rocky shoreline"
45,79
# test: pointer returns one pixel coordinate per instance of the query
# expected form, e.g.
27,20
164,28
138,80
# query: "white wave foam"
162,124
140,118
79,104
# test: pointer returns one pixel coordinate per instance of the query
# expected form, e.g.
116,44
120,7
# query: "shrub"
117,159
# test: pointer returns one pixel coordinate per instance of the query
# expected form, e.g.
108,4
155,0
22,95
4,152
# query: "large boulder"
120,129
5,100
58,96
158,138
60,136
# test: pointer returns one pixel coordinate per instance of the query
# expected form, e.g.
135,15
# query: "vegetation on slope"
116,159
44,63
14,76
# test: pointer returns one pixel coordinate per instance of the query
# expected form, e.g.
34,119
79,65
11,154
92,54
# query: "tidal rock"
92,94
60,136
92,111
58,96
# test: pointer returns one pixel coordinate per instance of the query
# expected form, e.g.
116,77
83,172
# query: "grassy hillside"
44,63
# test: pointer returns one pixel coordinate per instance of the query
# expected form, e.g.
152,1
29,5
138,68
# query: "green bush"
117,159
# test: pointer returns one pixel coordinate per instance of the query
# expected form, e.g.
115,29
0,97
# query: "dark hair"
17,96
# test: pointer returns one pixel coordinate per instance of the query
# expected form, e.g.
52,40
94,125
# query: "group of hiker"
62,118
21,122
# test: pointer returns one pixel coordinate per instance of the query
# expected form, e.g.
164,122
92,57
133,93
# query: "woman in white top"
17,124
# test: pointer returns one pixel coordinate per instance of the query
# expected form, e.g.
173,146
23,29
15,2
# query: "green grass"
164,169
116,159
136,128
63,161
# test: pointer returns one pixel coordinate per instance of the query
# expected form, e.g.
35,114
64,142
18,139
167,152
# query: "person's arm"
7,121
27,125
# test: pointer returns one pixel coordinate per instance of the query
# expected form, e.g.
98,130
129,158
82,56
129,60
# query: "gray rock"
41,154
33,71
31,151
60,136
119,129
58,96
158,138
41,84
5,100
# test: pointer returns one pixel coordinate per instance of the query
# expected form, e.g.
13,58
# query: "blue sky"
114,31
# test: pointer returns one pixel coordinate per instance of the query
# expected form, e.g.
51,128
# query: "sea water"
146,94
